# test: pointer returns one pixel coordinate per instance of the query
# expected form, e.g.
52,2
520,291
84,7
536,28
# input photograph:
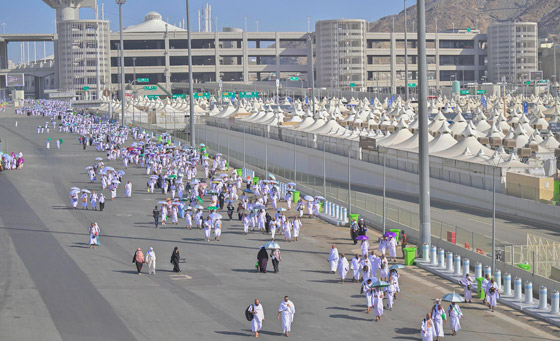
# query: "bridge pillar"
3,54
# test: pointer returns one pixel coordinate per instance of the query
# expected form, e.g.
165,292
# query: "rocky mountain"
478,14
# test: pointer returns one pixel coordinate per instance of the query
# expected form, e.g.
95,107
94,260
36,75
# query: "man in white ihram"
333,259
258,317
287,309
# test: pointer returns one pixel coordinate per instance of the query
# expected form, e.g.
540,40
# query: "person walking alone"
258,317
156,214
175,257
287,310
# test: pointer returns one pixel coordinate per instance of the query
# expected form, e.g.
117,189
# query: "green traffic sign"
249,94
198,95
86,88
411,85
178,96
481,92
468,29
294,78
152,96
143,80
528,82
228,94
352,85
544,81
150,87
465,92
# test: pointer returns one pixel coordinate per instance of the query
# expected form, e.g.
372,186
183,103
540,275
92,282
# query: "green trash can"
321,207
398,232
239,172
255,180
354,216
409,255
481,293
295,196
524,266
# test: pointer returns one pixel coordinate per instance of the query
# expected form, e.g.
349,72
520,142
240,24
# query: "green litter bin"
206,154
524,266
239,172
255,180
321,207
354,216
398,232
409,255
295,196
480,291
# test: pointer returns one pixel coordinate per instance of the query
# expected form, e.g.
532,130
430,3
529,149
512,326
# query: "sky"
34,16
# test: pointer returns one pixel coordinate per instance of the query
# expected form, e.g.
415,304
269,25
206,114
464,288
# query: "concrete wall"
369,175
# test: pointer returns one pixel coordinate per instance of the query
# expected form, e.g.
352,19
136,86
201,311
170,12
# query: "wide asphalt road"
53,287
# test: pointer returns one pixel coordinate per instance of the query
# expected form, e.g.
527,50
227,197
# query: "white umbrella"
98,159
89,167
74,192
74,189
86,190
116,182
272,245
215,216
281,209
308,198
259,207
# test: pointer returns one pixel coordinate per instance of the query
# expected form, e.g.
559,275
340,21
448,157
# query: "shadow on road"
348,317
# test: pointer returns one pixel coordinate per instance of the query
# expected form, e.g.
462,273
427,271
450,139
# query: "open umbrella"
89,167
86,191
259,207
453,297
250,191
320,198
390,234
173,176
202,145
212,192
121,173
271,245
199,199
293,184
362,238
281,209
74,189
223,175
98,159
199,207
153,176
272,176
116,182
380,284
215,215
212,208
308,198
162,202
75,192
396,267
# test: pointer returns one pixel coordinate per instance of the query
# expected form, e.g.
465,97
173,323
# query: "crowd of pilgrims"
173,170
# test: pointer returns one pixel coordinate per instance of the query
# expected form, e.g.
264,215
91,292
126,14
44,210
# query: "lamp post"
133,81
384,152
191,96
405,55
424,157
120,3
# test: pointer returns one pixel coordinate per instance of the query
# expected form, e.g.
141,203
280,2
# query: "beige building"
512,51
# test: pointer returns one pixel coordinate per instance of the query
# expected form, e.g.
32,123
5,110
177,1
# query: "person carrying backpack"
139,260
255,314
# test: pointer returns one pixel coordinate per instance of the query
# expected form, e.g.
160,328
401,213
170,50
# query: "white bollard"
466,266
507,284
543,297
449,262
555,302
477,270
517,287
329,208
441,258
426,252
434,255
457,265
528,292
488,271
498,279
344,215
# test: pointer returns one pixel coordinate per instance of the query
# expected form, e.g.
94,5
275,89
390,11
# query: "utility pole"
312,73
424,157
120,3
405,54
191,96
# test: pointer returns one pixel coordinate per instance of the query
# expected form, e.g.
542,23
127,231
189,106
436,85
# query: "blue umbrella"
270,175
396,267
453,297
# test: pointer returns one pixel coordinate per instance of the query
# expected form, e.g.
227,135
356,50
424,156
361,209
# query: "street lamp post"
324,169
133,81
384,186
424,157
191,95
120,3
405,54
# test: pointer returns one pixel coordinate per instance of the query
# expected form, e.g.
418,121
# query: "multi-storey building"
512,51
